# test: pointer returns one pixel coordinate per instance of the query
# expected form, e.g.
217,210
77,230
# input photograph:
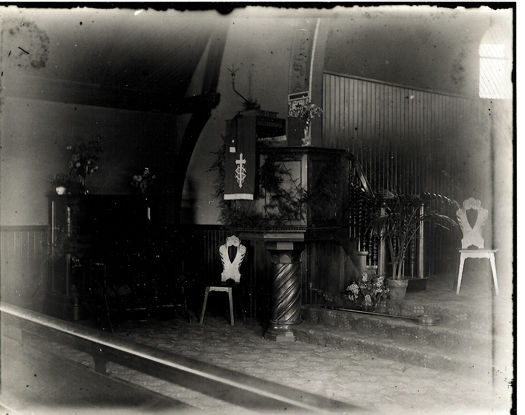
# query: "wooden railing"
224,384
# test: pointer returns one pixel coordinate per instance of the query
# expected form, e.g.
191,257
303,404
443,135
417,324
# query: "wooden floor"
241,390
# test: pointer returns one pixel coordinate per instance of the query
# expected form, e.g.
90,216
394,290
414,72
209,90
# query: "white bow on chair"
231,268
472,234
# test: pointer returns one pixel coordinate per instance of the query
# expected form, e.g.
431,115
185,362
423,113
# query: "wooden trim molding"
18,228
70,92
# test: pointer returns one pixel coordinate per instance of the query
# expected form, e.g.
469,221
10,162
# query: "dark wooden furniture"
298,254
108,260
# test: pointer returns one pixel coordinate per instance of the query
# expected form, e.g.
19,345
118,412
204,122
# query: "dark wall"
435,50
91,65
259,46
430,48
34,140
410,140
70,75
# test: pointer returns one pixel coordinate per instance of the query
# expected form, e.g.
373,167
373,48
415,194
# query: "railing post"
97,352
421,250
381,262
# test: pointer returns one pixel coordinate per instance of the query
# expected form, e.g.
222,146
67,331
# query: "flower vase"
83,189
307,139
148,209
381,307
368,307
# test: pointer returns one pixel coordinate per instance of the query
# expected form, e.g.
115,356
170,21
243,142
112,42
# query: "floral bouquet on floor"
367,292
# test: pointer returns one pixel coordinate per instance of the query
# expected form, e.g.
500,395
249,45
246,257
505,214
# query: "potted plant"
397,219
282,204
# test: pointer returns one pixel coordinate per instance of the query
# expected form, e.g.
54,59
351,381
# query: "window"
495,64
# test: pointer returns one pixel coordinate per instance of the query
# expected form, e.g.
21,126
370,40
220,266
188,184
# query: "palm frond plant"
399,218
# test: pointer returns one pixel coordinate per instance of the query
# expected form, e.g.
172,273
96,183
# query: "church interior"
258,208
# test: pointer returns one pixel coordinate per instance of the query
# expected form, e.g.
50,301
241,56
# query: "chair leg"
185,305
230,298
204,304
494,275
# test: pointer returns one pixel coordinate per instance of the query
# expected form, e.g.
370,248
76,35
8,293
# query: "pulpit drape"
240,161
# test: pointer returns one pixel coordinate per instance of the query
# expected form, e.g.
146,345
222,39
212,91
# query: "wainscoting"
324,265
24,265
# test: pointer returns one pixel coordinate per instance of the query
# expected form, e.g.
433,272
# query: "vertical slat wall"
210,240
407,140
23,254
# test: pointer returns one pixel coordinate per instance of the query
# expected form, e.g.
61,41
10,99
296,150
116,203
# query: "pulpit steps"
449,345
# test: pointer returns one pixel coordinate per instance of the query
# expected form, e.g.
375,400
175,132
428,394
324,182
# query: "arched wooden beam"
200,113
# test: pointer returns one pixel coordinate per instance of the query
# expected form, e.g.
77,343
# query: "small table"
478,253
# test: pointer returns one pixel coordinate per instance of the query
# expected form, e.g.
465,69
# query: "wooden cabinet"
91,232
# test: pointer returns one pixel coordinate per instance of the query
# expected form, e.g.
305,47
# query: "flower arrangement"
60,179
305,110
144,182
84,159
367,292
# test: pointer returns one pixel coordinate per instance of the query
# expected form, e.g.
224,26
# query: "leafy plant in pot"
397,219
282,203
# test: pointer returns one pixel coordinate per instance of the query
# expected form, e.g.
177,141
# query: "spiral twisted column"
286,290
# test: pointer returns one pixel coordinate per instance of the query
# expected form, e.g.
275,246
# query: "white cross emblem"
240,171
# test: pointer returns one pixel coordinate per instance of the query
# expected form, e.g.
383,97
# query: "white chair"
230,275
472,237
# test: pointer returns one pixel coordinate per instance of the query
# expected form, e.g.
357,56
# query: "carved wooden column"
286,289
